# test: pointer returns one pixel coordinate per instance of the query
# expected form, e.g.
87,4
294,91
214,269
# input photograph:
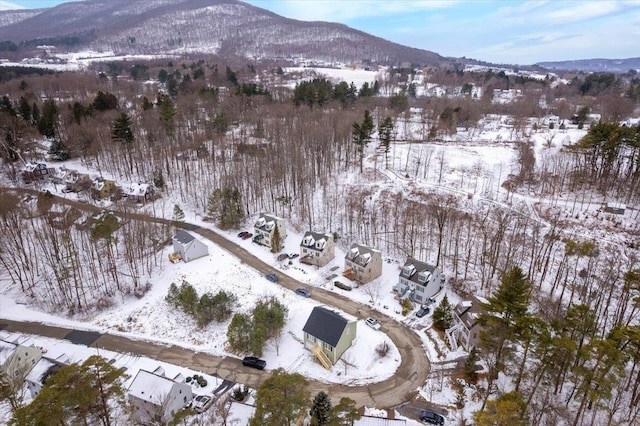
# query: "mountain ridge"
225,27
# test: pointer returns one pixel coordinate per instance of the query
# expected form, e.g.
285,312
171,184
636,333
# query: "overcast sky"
503,31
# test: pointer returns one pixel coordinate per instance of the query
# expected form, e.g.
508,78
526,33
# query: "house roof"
183,237
417,271
315,240
378,421
151,387
326,325
43,369
361,255
469,312
137,189
266,222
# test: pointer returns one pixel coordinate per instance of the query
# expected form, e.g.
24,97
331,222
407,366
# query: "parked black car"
430,417
422,312
254,362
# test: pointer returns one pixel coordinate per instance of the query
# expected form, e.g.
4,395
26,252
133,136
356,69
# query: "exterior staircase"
322,357
452,336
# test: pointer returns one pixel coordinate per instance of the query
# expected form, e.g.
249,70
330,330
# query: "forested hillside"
345,159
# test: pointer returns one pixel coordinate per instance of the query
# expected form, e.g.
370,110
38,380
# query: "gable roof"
315,240
183,237
151,387
361,255
414,269
326,325
266,222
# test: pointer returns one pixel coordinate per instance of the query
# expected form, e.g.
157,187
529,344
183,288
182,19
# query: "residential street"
400,388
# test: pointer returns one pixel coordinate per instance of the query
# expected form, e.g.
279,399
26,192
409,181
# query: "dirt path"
398,389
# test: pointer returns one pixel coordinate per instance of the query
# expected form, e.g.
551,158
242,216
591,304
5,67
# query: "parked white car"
373,323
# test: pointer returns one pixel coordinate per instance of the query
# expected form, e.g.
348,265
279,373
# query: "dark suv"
429,416
254,362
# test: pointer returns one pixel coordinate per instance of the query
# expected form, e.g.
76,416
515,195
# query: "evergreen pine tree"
443,315
121,129
321,409
58,150
276,243
48,123
469,369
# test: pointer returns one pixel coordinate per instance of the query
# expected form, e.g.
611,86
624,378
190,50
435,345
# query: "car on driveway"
242,234
431,417
422,312
201,403
303,292
247,236
373,323
254,362
272,277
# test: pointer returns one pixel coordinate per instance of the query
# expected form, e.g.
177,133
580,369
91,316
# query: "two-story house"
265,227
466,327
419,279
362,264
156,399
317,249
327,334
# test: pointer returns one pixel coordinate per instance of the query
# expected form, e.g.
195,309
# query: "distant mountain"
594,65
224,27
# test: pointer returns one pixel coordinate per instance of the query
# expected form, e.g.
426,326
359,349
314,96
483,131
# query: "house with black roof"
188,247
327,334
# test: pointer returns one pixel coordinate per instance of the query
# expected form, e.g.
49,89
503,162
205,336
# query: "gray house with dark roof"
328,332
421,279
188,247
362,264
466,324
317,249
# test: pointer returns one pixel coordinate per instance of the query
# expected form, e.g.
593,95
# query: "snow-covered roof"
362,255
150,387
137,189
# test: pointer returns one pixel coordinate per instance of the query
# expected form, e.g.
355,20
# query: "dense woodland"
234,135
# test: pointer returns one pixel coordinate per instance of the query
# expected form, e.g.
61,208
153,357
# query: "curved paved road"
400,388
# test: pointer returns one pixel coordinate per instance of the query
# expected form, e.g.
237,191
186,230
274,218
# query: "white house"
188,247
420,279
265,227
156,399
317,249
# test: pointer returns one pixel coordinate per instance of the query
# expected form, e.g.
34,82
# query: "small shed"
188,247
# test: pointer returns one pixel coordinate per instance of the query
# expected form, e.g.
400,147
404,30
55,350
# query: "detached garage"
188,247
